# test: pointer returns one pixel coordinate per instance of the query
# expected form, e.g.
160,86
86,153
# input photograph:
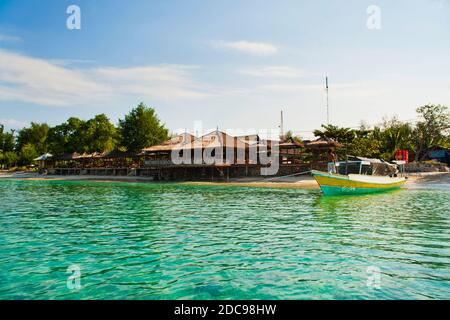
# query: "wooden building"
318,152
213,156
215,148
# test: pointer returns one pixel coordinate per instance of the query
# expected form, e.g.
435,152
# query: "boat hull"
334,184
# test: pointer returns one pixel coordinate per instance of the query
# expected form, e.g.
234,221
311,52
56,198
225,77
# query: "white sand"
302,181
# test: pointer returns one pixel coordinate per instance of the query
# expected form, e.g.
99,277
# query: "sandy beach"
298,182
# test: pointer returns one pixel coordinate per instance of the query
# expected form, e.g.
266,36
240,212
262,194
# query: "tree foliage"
99,134
35,135
432,129
67,137
76,135
7,140
26,154
290,135
366,147
9,159
141,128
339,134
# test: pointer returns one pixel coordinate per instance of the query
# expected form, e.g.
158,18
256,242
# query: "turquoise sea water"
155,241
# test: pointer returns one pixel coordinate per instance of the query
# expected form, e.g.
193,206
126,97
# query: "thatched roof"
172,143
290,143
187,141
114,155
95,155
215,139
85,155
287,144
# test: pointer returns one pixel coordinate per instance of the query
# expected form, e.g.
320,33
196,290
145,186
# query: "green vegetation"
290,135
140,128
76,135
431,130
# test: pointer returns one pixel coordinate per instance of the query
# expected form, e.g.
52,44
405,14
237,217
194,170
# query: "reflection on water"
154,241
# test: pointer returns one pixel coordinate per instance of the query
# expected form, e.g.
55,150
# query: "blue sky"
234,64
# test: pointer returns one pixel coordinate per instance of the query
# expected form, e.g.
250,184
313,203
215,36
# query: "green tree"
397,134
7,143
365,147
2,129
7,140
363,131
141,128
75,135
67,137
35,135
27,154
10,159
290,135
57,139
394,135
432,129
100,134
340,134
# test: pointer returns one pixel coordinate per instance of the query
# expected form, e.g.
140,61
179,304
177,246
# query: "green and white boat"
359,176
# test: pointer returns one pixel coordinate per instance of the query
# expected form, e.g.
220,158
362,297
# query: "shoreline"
300,182
305,182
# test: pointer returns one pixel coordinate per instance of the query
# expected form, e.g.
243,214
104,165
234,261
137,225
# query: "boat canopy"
376,167
370,160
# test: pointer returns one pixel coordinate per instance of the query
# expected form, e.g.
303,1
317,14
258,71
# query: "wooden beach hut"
318,151
161,154
290,151
232,150
44,160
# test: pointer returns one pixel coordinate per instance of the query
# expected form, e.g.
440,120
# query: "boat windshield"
362,167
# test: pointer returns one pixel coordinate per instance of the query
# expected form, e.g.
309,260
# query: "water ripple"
154,241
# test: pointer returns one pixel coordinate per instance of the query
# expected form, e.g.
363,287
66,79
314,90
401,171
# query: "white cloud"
7,38
13,123
253,48
293,87
39,81
274,72
290,87
165,82
70,62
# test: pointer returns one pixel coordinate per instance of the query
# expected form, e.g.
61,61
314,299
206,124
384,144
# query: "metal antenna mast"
281,126
328,106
